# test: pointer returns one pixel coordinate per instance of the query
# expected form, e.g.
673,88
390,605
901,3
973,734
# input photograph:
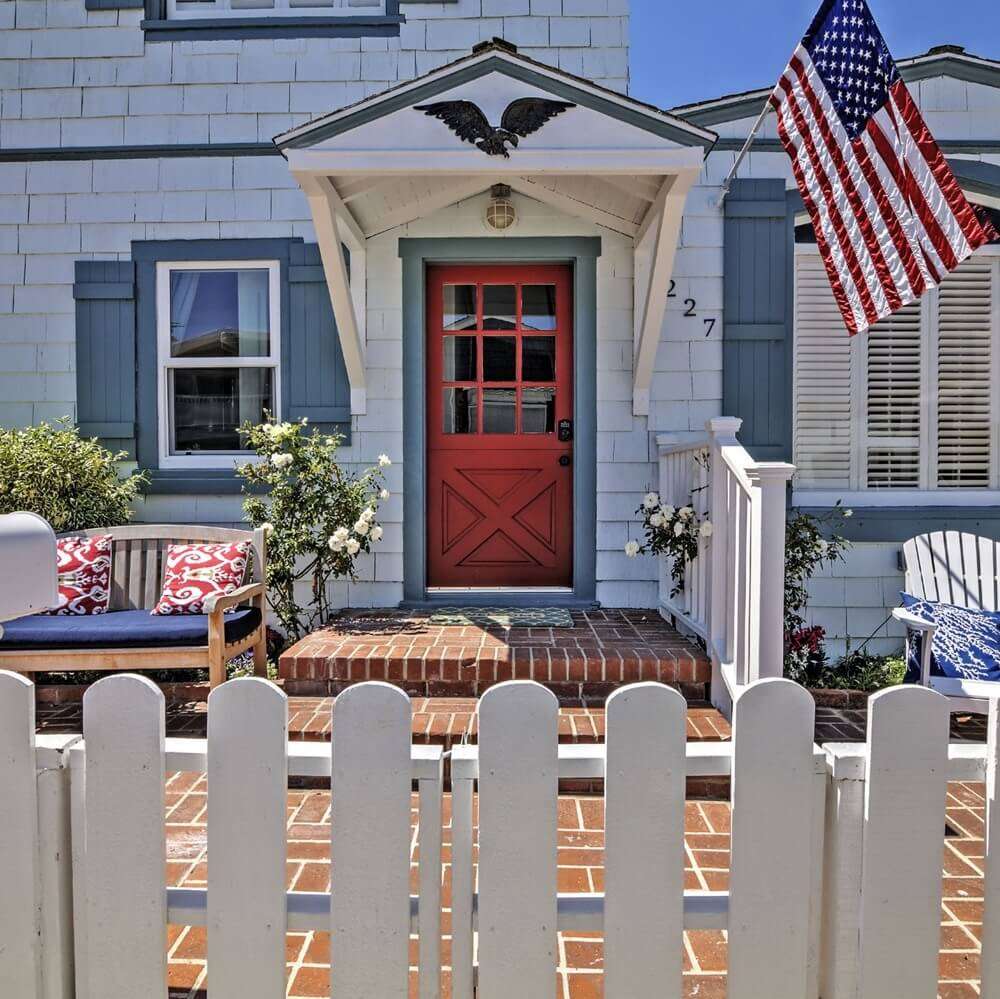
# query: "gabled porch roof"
382,163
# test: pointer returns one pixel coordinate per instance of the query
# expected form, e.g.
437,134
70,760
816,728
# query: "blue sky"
690,51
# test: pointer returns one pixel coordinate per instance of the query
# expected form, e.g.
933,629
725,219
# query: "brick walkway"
581,841
602,650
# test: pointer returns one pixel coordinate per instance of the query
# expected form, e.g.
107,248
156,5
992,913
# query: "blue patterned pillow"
966,644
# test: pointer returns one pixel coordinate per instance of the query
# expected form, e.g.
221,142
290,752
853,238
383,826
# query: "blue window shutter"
757,328
104,291
316,376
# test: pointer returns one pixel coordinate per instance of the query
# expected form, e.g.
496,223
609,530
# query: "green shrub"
860,670
71,481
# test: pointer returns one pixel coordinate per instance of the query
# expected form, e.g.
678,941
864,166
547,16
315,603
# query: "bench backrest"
138,557
953,568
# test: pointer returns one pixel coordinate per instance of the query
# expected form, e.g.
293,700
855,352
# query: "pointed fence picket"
20,965
877,906
247,800
518,798
370,846
644,841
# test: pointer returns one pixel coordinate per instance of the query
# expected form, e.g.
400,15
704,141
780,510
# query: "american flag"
890,219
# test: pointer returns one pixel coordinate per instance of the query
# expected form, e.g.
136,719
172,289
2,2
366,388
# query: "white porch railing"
734,591
835,872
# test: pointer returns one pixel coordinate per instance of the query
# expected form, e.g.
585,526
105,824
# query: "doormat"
503,617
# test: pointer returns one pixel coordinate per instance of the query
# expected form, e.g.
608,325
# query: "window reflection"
499,307
538,358
459,307
538,411
499,416
499,359
460,410
219,313
459,358
538,306
210,404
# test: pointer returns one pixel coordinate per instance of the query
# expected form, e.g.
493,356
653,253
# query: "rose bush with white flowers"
318,517
673,531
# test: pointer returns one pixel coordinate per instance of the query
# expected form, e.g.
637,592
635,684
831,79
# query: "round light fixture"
500,212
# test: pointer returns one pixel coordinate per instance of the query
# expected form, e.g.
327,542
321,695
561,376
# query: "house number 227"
691,309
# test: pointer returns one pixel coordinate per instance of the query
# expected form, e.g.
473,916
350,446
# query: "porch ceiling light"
500,212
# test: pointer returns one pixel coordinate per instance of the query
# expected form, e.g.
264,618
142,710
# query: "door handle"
565,460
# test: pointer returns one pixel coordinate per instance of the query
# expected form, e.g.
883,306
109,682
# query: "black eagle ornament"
521,119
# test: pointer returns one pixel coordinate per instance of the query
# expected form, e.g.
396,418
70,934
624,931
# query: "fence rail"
733,594
835,875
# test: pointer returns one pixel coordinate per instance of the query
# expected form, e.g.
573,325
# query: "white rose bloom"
268,529
341,534
384,461
656,520
686,512
385,494
281,460
368,514
668,512
353,546
707,529
362,527
678,529
305,420
632,549
376,533
848,513
651,501
335,543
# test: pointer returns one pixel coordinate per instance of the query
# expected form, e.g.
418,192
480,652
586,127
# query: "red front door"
499,398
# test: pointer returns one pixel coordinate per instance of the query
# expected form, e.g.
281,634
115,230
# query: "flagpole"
731,176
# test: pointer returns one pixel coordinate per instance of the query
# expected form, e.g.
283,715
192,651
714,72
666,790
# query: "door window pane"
460,410
499,359
538,359
499,307
498,411
538,411
538,306
218,313
459,307
208,406
459,358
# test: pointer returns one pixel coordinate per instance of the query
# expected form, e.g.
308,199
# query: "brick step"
602,651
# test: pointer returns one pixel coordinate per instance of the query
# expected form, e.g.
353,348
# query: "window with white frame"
182,9
908,413
218,331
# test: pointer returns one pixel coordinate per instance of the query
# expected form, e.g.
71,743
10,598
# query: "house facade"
208,209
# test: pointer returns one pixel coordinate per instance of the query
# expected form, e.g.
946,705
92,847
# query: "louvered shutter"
823,396
964,364
893,401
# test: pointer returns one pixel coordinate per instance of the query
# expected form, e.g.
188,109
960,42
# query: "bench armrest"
219,602
926,630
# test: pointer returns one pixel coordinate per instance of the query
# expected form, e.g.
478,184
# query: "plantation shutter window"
913,405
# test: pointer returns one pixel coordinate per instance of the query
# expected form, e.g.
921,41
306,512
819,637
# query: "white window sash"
929,494
184,10
165,363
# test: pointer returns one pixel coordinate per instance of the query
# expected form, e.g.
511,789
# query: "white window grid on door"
180,9
962,342
166,363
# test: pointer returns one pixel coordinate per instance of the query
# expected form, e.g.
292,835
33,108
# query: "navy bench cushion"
132,629
966,645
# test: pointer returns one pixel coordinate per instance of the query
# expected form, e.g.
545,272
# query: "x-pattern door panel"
499,391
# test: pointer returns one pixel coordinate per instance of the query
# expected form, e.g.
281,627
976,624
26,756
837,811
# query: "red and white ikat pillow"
83,566
196,572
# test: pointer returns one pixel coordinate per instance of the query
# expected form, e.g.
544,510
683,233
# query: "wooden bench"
138,559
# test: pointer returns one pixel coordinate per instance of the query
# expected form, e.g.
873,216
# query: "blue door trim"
582,253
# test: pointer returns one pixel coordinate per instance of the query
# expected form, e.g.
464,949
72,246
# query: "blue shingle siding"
317,385
104,292
757,327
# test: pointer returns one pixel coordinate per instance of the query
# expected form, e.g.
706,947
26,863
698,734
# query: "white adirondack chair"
960,569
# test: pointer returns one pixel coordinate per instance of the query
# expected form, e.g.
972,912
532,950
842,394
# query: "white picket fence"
835,881
733,597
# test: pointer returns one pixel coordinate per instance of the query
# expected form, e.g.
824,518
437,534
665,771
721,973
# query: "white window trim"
187,10
926,496
164,362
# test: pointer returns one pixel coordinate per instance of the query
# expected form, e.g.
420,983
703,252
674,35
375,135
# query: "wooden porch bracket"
655,250
336,228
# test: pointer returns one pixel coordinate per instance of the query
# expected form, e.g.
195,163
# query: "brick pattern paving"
581,841
602,650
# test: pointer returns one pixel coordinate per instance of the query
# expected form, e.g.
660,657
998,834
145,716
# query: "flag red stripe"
853,196
871,310
913,195
931,152
839,291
